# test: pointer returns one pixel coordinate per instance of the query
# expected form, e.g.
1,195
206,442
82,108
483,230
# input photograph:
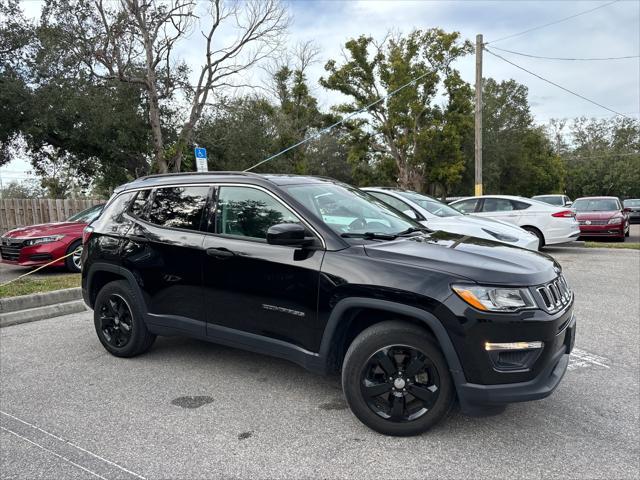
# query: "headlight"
38,241
495,299
500,236
615,220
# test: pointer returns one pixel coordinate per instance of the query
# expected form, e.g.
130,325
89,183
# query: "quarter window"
179,207
137,206
249,212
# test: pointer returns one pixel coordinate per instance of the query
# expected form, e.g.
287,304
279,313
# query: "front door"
255,287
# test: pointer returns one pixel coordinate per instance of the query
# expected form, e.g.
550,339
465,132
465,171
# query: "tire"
390,339
72,263
538,234
113,323
628,232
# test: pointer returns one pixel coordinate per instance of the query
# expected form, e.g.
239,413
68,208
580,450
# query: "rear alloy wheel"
538,234
396,380
118,321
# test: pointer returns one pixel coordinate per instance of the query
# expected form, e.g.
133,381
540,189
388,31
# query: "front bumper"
612,230
473,395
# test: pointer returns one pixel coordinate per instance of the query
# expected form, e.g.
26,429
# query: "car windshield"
595,205
349,211
550,199
86,216
431,205
632,203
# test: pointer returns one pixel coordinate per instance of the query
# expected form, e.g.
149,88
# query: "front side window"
178,207
432,205
389,200
249,212
466,206
349,211
88,215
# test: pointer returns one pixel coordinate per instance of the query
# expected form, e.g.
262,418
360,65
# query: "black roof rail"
177,174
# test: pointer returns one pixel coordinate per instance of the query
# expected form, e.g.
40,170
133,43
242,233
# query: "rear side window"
466,206
114,210
497,205
137,206
179,207
519,205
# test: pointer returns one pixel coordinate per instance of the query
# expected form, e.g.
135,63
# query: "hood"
46,229
483,261
597,215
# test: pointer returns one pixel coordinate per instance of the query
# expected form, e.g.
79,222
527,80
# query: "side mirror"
411,214
291,234
568,204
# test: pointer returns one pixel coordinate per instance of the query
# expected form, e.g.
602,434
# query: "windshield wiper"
370,235
411,230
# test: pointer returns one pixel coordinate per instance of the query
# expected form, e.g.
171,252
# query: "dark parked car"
602,217
633,206
40,244
317,272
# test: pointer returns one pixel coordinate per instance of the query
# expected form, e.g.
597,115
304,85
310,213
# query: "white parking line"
582,359
54,453
70,444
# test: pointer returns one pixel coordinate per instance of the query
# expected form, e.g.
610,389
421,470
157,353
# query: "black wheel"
538,234
396,380
74,261
118,321
628,232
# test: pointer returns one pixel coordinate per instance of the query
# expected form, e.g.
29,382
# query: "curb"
38,306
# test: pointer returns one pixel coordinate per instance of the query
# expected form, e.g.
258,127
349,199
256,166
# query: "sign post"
201,159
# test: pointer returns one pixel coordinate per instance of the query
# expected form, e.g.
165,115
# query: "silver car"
438,216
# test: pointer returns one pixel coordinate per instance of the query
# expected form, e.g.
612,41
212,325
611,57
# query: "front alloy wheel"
396,380
400,383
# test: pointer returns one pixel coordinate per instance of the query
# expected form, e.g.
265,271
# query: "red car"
602,217
39,244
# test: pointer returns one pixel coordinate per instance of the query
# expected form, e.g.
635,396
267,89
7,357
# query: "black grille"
10,249
555,295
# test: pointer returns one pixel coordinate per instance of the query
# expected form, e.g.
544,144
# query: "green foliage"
517,156
602,157
422,138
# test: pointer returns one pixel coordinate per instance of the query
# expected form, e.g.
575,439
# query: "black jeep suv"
322,274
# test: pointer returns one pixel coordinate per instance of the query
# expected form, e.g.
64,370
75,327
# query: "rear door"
252,286
164,251
500,209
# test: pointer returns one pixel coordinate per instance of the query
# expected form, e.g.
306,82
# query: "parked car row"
600,216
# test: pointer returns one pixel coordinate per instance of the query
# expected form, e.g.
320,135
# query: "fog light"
488,346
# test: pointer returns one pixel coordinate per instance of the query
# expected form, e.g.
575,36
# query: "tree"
134,41
29,188
517,156
602,157
407,127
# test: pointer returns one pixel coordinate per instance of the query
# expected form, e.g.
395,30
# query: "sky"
610,31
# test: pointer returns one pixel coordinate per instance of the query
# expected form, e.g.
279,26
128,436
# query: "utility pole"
478,133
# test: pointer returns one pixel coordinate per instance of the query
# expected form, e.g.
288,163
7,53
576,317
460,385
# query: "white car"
436,215
551,224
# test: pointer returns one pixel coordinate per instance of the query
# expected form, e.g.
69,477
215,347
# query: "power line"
565,58
559,86
331,127
553,23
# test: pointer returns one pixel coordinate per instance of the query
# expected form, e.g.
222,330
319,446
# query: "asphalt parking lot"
189,409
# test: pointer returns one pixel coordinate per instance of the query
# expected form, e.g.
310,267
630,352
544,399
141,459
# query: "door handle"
220,252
